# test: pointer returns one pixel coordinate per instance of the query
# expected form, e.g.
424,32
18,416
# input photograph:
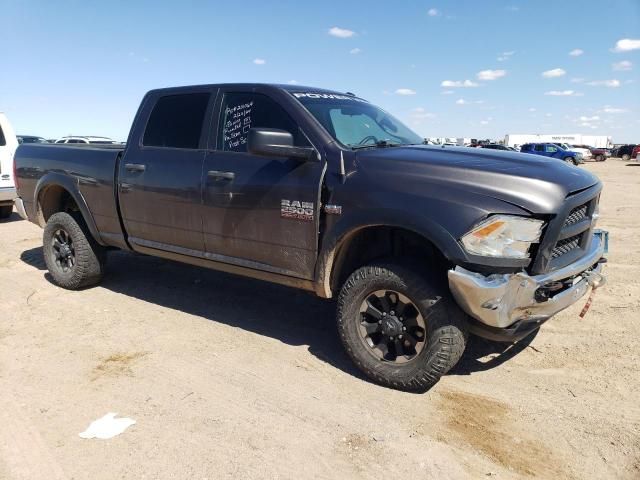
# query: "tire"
5,211
570,160
626,157
445,327
72,256
600,158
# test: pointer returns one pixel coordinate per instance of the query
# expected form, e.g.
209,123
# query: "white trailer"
599,141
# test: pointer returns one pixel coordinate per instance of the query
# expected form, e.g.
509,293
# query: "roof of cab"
280,86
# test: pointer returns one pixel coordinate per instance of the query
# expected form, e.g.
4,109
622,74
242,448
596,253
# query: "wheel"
5,211
401,328
600,158
570,160
72,256
626,157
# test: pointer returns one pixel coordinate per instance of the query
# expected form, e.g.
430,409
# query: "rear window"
3,141
176,121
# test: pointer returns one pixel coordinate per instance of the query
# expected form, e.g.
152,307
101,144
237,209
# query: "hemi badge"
333,209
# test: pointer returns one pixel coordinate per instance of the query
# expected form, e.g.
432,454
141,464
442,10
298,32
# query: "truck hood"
537,184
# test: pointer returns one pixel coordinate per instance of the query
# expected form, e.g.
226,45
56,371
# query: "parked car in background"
624,152
31,139
495,146
8,145
87,140
636,152
600,154
553,150
582,149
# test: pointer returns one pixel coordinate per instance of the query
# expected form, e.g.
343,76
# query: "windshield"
356,123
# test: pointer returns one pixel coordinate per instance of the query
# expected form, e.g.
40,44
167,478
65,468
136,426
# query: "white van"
8,145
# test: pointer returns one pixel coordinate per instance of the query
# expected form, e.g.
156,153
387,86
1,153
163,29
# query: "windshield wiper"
378,144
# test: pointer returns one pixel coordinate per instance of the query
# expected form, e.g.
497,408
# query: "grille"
576,215
566,245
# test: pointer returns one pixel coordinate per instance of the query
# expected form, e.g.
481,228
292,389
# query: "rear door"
259,212
539,150
160,177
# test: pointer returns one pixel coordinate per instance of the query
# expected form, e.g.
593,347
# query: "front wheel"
73,258
626,157
570,160
401,329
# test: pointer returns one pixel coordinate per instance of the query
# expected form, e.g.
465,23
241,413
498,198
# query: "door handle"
134,167
221,175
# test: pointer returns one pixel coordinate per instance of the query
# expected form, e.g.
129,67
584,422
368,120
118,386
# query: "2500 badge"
296,209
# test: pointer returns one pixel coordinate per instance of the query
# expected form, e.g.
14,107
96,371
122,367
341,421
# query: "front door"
259,212
160,180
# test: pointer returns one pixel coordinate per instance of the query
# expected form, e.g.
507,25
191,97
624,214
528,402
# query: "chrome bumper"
20,208
500,300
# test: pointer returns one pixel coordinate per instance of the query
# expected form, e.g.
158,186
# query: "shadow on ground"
291,316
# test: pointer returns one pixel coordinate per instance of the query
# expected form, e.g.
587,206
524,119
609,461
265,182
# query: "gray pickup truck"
323,191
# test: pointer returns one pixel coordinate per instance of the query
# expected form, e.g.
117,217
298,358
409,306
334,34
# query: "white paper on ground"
107,427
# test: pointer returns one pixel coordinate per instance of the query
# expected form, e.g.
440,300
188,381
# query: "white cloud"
622,66
458,84
548,115
556,72
563,93
405,91
484,122
589,119
433,12
610,109
341,32
491,74
532,109
259,61
626,45
576,52
605,83
504,56
447,92
354,51
461,101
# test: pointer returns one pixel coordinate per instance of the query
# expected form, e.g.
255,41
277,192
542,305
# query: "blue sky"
80,67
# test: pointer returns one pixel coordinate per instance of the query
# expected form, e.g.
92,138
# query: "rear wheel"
400,328
600,158
5,211
73,258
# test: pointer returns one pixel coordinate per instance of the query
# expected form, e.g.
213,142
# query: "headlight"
503,236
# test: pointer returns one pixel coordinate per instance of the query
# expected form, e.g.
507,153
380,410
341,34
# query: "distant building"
600,141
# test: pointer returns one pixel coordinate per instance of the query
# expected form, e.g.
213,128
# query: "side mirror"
272,142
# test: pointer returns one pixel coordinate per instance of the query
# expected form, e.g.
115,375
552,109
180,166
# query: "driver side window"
551,149
242,111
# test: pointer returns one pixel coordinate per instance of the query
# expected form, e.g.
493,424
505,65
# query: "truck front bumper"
508,307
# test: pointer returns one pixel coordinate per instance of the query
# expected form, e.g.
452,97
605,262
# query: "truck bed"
93,167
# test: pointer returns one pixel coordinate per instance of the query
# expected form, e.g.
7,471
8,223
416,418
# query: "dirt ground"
229,377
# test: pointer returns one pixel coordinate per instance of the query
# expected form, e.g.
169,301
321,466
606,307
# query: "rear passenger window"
3,141
243,111
539,148
176,121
